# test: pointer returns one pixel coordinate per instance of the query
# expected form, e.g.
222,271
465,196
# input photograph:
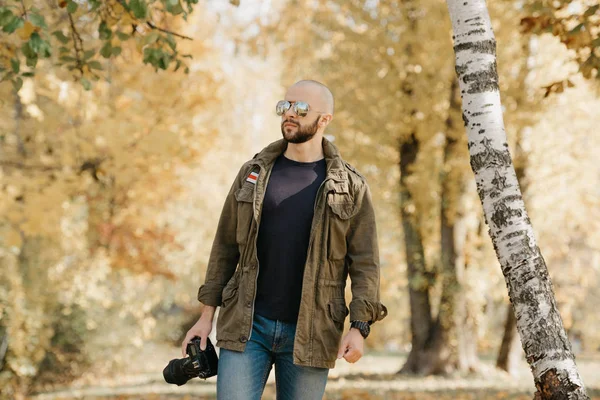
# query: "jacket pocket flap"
338,310
245,194
341,205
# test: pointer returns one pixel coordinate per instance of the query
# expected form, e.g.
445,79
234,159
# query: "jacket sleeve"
363,262
224,255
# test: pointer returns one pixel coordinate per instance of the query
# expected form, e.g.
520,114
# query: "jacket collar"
336,170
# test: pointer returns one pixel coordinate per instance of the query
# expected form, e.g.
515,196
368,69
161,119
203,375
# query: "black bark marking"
481,131
476,31
465,119
488,105
461,69
482,81
473,19
481,113
499,183
503,213
490,157
481,46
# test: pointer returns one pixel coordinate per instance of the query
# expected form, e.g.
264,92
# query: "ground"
371,378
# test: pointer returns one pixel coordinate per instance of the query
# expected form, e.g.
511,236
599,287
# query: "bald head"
322,98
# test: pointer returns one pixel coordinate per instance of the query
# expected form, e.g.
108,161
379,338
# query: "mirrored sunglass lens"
301,108
282,107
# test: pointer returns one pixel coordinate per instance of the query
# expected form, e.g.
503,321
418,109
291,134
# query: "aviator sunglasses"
301,108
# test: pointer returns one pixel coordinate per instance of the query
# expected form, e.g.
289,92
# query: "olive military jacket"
343,241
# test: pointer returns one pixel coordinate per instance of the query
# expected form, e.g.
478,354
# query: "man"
302,217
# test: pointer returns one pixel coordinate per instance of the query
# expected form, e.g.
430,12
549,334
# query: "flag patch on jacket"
252,177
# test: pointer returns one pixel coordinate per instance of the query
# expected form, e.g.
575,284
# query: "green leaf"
577,29
139,8
5,16
35,41
95,65
177,65
64,50
591,11
176,9
186,70
27,50
106,50
67,58
171,41
15,64
37,20
116,51
104,31
188,56
88,54
8,76
151,38
39,46
122,35
13,25
18,84
61,37
87,85
32,62
71,6
28,74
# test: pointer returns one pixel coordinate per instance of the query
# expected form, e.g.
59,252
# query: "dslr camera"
201,364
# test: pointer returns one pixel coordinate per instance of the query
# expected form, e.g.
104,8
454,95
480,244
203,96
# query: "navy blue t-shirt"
283,236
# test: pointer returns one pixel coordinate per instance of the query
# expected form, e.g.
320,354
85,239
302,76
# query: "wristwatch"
364,327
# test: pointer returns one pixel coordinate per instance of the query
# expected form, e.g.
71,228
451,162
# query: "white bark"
544,340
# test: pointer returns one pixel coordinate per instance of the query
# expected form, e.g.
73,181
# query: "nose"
290,114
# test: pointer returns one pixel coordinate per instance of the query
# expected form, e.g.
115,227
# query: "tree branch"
15,164
18,119
77,44
24,9
151,25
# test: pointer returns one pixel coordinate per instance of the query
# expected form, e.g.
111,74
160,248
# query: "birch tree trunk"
540,326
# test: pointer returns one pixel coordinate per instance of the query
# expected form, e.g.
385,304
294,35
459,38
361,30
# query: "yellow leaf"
26,30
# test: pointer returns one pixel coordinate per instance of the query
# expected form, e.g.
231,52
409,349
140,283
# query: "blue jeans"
243,375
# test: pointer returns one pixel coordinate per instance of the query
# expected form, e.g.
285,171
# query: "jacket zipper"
259,216
312,238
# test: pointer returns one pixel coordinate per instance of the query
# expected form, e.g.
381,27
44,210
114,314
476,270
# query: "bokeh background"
114,168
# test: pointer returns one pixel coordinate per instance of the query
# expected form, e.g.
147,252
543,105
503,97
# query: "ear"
325,119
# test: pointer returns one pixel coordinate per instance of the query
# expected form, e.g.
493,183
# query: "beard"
303,133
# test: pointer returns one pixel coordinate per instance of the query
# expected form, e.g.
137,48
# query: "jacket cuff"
365,310
210,294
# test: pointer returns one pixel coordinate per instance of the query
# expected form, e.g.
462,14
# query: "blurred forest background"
114,167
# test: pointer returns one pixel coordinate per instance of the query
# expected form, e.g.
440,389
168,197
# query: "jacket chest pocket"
340,210
244,197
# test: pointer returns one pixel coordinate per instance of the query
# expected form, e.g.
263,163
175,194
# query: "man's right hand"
201,329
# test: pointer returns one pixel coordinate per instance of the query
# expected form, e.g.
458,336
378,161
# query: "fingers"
203,343
343,348
187,339
352,355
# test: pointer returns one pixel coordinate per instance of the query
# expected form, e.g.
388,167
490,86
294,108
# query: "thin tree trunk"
508,349
543,336
418,282
454,310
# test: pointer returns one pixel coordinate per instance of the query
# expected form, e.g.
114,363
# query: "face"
297,129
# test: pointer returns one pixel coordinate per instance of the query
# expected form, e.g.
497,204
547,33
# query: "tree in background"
86,179
545,343
577,25
78,36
